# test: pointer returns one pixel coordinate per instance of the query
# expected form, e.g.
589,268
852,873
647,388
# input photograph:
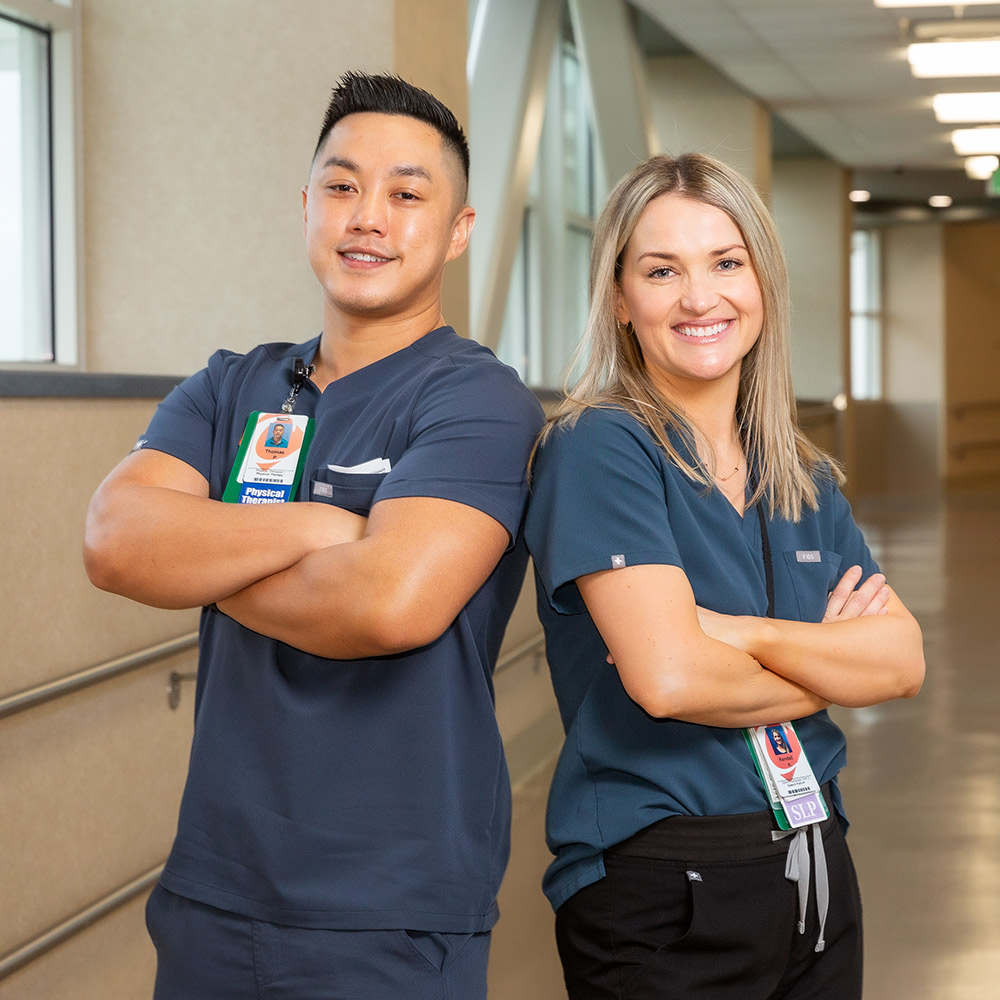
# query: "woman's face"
690,292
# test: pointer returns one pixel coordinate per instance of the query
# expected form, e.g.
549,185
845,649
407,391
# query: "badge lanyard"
791,786
272,451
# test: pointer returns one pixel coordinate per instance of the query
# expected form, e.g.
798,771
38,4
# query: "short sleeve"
849,541
184,423
472,433
598,501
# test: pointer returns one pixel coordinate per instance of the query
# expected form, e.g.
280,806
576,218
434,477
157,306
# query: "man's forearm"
398,588
173,549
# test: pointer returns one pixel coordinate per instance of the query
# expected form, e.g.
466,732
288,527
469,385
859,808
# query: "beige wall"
695,109
808,198
940,420
199,124
972,364
899,437
199,120
90,782
431,42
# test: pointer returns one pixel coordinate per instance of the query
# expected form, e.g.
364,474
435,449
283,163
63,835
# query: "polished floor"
922,786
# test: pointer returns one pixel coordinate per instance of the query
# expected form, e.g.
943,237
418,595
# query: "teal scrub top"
603,490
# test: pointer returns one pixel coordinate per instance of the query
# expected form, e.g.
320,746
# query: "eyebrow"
400,170
667,255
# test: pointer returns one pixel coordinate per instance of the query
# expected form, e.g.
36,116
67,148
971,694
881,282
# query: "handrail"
961,448
963,409
30,697
56,935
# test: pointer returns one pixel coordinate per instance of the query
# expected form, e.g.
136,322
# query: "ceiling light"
860,196
939,201
974,141
982,168
952,108
929,3
972,58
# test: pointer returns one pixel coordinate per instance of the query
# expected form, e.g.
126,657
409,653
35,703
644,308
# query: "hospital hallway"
922,785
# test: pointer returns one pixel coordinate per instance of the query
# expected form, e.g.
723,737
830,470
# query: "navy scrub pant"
209,954
699,908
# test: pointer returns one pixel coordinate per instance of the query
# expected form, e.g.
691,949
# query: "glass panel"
578,146
577,299
513,346
26,331
866,316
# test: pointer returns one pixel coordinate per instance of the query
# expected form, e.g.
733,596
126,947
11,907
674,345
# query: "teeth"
703,331
369,258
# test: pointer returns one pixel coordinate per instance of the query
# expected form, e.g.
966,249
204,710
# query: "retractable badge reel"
272,450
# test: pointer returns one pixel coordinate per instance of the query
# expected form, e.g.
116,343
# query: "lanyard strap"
768,568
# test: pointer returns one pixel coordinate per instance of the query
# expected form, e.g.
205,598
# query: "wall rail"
54,936
45,942
31,697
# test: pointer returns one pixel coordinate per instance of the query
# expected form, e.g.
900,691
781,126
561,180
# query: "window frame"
60,19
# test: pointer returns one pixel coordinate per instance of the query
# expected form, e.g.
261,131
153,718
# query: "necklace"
725,479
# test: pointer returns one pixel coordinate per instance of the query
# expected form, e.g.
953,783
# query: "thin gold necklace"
725,479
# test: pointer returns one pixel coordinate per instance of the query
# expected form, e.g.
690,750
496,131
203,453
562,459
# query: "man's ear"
305,207
460,232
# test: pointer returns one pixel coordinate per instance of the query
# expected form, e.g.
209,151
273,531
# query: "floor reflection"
922,786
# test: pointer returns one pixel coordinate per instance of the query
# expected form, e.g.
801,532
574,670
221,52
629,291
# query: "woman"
700,575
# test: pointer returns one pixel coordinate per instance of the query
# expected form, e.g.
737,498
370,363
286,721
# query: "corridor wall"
197,127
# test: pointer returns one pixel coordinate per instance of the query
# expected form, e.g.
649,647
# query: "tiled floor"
922,787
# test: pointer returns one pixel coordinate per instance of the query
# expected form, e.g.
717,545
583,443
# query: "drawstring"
797,869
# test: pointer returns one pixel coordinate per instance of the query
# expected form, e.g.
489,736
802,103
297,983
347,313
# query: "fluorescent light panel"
929,3
939,59
954,108
982,168
976,141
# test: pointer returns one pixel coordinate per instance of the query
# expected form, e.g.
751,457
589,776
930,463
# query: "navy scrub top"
371,793
602,489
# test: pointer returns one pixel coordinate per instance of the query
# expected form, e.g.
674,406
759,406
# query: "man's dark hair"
361,93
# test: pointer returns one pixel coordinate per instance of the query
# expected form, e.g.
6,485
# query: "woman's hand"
846,602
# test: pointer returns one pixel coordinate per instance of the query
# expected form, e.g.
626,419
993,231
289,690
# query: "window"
547,303
37,207
866,315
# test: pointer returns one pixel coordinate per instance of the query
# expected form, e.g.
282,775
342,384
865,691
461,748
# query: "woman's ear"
622,313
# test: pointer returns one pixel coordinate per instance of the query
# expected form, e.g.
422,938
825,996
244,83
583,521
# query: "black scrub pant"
700,908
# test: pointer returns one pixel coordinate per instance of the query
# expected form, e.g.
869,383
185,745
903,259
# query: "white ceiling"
836,72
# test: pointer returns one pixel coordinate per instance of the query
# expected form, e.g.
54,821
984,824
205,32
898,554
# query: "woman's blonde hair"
784,461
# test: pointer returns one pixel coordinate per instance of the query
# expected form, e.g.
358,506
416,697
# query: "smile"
366,258
703,332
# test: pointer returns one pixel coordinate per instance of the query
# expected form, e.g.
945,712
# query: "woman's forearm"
854,662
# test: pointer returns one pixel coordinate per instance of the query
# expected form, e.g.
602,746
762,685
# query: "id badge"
792,789
270,459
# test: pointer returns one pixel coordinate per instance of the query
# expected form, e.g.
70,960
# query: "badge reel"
791,786
272,450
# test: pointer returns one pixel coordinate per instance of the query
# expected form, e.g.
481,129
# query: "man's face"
279,432
382,216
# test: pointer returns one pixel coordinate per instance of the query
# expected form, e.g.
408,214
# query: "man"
344,827
277,438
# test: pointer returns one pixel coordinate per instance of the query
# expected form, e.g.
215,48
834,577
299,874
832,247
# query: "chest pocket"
814,574
351,491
